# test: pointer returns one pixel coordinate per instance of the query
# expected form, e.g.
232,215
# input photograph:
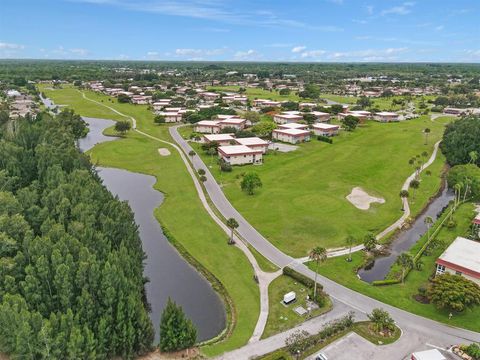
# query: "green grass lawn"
182,212
258,93
303,199
401,295
283,317
340,98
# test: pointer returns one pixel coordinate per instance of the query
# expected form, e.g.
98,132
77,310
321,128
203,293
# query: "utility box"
289,297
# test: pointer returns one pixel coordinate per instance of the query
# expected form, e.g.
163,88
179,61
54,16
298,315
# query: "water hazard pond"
170,275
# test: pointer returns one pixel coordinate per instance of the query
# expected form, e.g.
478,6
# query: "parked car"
321,356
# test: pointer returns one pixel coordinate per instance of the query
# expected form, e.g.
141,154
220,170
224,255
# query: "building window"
440,269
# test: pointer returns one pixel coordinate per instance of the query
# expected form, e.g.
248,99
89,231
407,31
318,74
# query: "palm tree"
406,262
404,194
473,156
458,189
414,184
192,154
468,182
428,221
350,240
426,132
318,254
232,225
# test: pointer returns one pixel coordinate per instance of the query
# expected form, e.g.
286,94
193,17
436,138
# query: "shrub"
201,172
326,139
288,271
225,166
386,282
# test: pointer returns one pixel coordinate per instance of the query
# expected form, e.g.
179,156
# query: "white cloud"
215,10
439,27
198,53
10,46
313,54
404,9
298,49
152,53
247,55
79,51
369,9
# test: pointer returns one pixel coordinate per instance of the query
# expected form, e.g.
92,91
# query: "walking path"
420,328
264,278
397,224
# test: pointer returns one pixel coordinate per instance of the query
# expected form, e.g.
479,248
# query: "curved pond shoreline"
169,274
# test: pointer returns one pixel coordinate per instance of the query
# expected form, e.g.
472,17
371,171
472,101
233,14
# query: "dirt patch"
185,354
163,152
361,200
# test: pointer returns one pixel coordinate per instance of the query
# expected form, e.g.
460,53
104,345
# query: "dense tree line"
461,139
71,262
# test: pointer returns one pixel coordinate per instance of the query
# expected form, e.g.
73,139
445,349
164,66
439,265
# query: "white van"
289,297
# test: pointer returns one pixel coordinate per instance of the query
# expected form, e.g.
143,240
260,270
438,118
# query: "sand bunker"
361,200
163,152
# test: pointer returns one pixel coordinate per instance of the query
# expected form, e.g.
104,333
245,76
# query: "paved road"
437,333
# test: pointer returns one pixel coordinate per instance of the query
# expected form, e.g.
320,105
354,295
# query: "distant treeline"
71,70
71,261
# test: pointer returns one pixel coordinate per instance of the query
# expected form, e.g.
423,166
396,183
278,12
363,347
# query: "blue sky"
242,30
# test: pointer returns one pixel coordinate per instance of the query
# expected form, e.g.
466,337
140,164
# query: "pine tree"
176,331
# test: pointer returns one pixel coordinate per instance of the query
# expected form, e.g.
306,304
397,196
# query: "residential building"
454,111
325,129
321,116
240,155
234,122
293,126
462,257
292,136
362,115
253,143
287,118
306,105
386,116
207,127
222,139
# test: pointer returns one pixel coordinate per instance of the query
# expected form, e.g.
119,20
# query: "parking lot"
355,347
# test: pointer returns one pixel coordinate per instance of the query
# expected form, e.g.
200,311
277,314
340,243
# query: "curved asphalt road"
422,330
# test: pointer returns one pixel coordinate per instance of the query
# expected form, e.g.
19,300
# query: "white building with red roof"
292,136
207,127
386,116
286,118
322,129
222,139
240,155
253,143
462,257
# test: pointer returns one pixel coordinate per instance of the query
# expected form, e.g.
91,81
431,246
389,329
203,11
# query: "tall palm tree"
318,254
350,240
192,154
404,194
406,262
232,224
428,221
414,184
458,189
468,182
426,132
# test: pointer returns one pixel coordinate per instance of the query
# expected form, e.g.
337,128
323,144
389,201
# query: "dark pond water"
170,275
405,239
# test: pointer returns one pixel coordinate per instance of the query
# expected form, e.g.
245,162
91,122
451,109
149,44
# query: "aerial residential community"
240,180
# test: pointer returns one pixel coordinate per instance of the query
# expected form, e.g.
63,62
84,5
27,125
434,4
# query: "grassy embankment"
402,295
181,213
303,200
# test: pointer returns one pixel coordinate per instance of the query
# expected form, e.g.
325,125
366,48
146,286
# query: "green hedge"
309,283
386,282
